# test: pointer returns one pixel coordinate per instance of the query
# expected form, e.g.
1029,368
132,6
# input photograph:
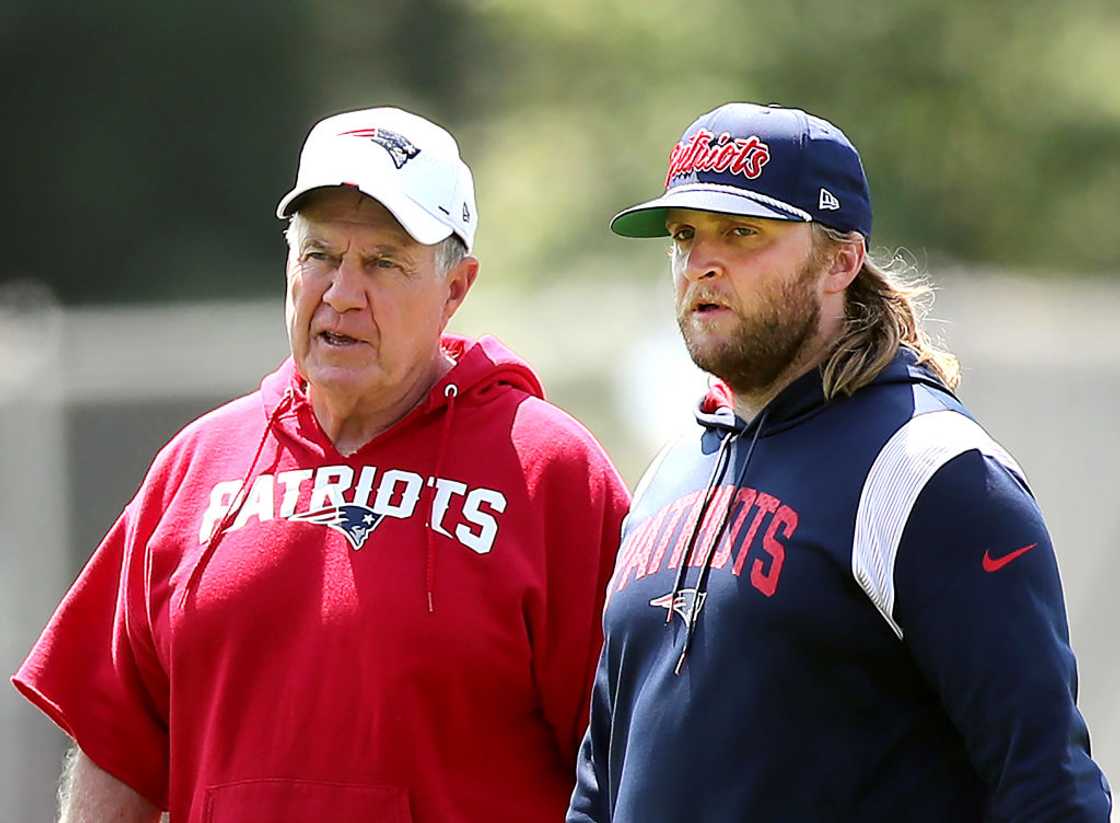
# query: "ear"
846,261
459,281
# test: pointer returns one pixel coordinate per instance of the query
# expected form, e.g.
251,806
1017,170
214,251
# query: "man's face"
747,293
365,303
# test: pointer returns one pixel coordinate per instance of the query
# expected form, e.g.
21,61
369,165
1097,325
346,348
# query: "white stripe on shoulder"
905,464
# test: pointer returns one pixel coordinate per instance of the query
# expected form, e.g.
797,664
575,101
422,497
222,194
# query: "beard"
764,344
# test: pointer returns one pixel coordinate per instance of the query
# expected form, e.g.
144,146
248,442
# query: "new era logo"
828,201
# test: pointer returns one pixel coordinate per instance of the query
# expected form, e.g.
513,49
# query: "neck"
747,405
351,422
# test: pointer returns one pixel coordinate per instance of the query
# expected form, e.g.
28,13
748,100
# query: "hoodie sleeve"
94,671
583,501
979,601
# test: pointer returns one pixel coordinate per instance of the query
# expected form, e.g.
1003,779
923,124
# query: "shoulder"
233,416
550,442
918,449
208,442
239,417
652,482
543,431
974,517
900,476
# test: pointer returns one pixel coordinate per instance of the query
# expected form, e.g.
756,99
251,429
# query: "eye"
316,255
385,263
743,231
682,233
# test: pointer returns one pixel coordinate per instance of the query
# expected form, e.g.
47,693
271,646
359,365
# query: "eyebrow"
314,243
403,251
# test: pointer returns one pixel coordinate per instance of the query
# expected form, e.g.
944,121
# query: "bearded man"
836,600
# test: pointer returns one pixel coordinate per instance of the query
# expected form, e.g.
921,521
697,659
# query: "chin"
705,344
341,378
701,355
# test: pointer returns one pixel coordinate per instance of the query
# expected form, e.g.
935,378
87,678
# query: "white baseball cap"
408,164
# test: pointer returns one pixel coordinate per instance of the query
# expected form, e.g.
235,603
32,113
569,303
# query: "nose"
345,291
702,260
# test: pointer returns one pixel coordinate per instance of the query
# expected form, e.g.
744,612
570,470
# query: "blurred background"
142,277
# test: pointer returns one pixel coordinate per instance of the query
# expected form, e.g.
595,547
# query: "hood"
481,366
803,398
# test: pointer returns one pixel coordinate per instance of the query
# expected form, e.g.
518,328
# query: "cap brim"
648,219
421,226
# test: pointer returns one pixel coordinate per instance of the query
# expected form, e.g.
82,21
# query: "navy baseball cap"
762,161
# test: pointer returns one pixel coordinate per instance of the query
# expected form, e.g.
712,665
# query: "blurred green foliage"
147,144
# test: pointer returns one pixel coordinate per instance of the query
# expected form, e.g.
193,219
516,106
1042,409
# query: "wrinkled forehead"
346,207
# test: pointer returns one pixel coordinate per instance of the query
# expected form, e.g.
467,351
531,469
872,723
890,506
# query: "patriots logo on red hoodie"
355,522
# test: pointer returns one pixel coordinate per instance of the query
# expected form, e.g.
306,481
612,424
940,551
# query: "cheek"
300,305
417,306
680,292
680,282
678,263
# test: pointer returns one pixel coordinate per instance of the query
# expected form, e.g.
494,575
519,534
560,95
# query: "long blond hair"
885,308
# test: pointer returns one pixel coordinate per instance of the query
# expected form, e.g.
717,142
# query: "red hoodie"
311,649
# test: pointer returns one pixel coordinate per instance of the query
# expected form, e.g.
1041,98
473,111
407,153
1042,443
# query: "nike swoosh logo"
994,564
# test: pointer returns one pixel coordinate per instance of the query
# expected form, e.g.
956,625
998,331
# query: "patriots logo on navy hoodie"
686,603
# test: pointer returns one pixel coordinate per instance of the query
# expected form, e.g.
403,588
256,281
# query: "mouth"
336,339
707,308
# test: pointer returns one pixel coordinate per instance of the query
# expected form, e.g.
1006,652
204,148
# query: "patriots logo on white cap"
398,146
354,521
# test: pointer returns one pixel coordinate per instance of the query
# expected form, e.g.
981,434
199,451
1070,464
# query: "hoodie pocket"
280,800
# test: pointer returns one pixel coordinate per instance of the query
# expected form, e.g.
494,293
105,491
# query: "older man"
836,599
371,590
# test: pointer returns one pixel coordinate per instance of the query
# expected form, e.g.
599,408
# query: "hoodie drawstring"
450,391
706,564
236,504
720,468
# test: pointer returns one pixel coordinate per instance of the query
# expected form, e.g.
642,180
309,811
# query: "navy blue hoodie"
869,627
